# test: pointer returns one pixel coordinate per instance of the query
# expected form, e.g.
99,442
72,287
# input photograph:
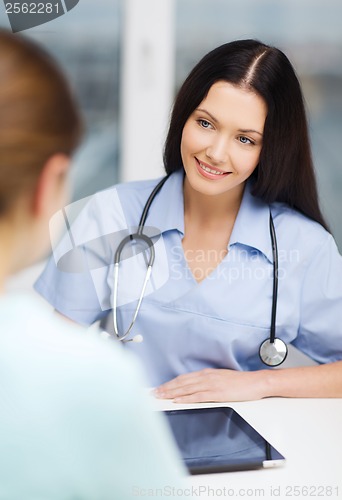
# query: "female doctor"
244,262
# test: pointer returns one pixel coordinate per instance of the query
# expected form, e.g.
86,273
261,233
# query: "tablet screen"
219,440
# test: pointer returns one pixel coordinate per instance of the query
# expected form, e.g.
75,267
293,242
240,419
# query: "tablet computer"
219,440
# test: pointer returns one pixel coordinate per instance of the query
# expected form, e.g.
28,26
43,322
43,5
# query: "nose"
217,151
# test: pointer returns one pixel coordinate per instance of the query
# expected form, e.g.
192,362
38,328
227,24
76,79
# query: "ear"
51,189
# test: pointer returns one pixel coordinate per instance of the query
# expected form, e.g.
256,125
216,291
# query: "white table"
308,432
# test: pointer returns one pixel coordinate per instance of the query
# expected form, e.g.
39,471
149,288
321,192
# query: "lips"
210,172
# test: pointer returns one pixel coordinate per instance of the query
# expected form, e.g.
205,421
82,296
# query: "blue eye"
245,140
204,123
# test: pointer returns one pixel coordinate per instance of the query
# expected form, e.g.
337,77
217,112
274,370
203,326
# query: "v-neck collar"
167,209
251,227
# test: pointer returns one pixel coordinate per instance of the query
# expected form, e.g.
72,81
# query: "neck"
16,249
6,252
211,210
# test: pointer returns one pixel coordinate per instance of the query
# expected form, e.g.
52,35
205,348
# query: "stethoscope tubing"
272,351
275,280
128,239
138,236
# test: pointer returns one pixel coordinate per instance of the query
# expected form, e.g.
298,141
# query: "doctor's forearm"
324,381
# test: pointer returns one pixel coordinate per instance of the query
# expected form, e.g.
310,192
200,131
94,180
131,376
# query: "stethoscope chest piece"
273,353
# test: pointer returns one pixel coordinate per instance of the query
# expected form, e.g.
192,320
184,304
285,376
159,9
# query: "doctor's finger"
178,386
185,379
199,397
180,390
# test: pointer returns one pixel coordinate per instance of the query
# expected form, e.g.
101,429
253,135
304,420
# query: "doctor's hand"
214,385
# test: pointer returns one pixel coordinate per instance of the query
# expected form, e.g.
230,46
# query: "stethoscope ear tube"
135,237
124,242
139,235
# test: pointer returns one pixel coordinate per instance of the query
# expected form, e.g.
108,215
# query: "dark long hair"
285,171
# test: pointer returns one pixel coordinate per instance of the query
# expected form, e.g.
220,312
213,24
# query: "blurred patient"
73,421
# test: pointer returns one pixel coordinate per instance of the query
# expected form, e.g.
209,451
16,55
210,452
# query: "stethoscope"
272,351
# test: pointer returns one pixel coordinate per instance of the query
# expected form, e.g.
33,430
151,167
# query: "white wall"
147,85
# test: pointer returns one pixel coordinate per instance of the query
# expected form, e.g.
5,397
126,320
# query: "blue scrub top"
221,321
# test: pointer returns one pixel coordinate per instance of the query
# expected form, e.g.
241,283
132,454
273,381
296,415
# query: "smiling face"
222,139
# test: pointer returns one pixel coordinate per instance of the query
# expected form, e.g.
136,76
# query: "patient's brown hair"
38,116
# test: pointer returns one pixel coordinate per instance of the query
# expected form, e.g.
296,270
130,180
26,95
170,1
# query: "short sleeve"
72,294
74,281
320,329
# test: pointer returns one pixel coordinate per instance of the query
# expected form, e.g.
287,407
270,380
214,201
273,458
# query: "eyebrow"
201,110
248,131
244,131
